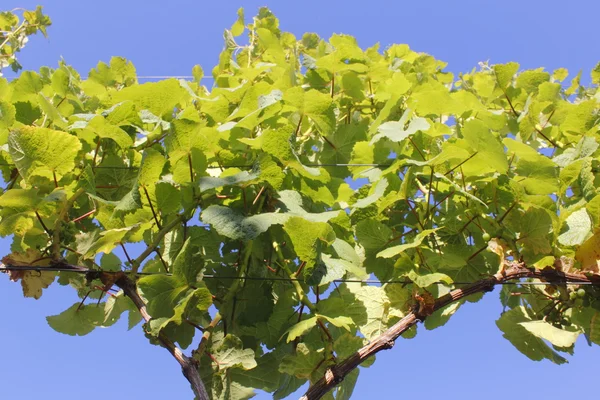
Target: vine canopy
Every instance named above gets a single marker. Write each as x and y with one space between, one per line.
256 209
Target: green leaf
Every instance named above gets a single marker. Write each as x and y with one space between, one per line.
292 201
226 387
505 73
339 146
594 331
585 147
372 235
378 192
340 321
110 262
346 388
152 165
168 198
77 320
433 99
160 98
324 273
308 237
560 74
557 337
301 364
579 226
105 242
231 353
232 224
210 182
87 180
490 155
313 104
170 296
163 293
130 202
116 305
579 118
19 200
365 305
301 328
274 328
539 171
275 142
101 127
531 80
238 26
535 227
337 268
511 324
7 116
395 250
265 376
426 280
198 73
396 131
440 317
119 70
27 86
186 265
43 151
593 207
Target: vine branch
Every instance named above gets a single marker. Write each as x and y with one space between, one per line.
187 365
336 374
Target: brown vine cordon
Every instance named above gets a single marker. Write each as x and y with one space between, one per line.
336 374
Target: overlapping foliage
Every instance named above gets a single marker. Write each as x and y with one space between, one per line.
15 32
311 159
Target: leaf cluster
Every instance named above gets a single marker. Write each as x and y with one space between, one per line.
15 31
312 160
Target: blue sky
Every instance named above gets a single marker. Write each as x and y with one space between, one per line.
467 358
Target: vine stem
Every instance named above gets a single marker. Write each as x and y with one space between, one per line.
246 252
506 212
336 374
151 207
188 368
59 221
96 153
517 115
42 223
13 33
302 295
206 336
126 253
190 165
135 265
303 298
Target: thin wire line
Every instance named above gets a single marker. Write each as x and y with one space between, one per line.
307 165
245 166
12 78
115 167
172 76
169 76
82 270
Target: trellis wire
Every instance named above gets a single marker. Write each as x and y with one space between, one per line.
242 166
81 270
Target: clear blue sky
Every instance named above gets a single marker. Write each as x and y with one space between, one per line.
466 359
